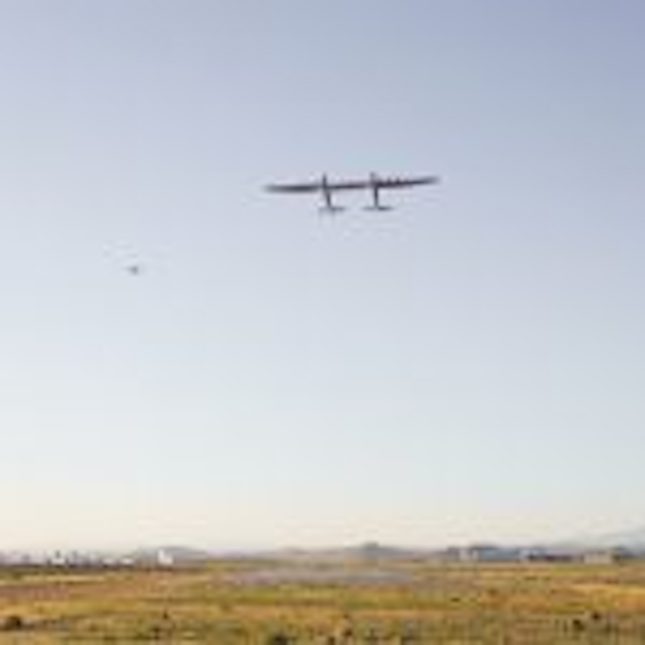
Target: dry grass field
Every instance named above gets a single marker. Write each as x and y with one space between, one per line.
264 603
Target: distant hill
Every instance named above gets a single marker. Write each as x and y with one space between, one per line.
366 552
633 539
374 551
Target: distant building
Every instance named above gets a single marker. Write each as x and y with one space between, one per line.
547 555
488 553
607 556
165 558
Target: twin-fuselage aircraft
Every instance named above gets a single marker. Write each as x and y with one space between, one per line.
374 184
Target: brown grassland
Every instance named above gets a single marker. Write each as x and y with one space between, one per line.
423 603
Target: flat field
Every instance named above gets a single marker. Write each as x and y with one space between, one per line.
277 603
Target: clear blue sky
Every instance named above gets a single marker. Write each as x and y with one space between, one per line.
468 366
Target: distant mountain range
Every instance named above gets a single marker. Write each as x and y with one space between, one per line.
618 544
366 552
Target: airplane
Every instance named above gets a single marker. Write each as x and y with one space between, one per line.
134 269
374 184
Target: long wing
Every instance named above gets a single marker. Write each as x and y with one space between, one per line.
316 186
398 182
306 187
348 185
379 182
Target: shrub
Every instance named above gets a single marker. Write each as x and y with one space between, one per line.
13 622
278 639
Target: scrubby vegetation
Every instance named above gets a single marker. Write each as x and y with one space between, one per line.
430 603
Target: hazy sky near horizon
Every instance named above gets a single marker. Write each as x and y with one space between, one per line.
468 366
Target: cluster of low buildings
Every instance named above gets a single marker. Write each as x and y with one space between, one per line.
494 553
85 559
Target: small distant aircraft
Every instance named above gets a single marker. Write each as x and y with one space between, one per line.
373 184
